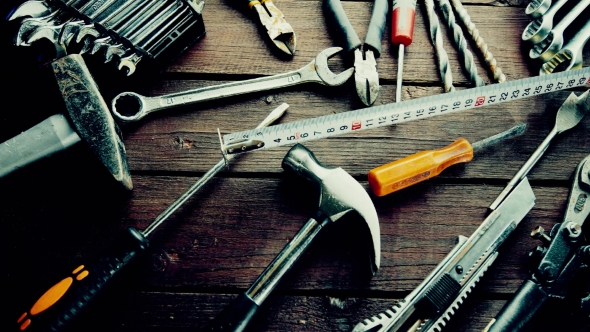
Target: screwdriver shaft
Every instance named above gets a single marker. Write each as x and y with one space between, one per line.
400 71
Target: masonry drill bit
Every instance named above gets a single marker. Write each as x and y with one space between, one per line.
481 44
437 42
460 42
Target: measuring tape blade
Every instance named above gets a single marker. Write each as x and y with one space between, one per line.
394 113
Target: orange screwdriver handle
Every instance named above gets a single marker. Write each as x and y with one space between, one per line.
403 14
418 167
64 301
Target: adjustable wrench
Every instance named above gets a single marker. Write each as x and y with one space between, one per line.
570 56
538 29
554 41
316 71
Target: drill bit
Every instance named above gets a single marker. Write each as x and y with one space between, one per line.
460 42
437 42
481 44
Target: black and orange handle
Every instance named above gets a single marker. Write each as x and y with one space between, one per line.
418 167
66 299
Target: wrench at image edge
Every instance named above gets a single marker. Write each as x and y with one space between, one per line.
316 71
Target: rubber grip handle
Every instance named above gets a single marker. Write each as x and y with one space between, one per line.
236 316
403 15
63 302
377 26
515 314
345 32
418 167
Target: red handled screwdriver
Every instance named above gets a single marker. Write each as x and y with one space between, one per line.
403 13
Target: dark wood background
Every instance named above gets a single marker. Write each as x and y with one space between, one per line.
65 209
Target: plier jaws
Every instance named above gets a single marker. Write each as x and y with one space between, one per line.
280 32
365 76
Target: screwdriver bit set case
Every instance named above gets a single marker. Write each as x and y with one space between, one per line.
127 30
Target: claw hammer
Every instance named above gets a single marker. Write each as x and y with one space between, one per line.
89 119
340 194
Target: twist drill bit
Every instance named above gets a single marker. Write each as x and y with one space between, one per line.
459 39
437 42
481 44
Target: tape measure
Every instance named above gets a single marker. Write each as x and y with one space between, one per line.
394 113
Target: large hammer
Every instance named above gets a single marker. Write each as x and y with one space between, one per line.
340 194
90 120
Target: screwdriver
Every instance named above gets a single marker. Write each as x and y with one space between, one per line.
427 164
403 13
61 303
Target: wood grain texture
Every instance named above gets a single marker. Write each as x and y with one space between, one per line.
66 209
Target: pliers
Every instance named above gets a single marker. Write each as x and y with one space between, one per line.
280 32
365 66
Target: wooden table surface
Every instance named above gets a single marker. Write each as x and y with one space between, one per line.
64 210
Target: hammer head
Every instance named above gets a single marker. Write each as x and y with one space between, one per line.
90 115
340 194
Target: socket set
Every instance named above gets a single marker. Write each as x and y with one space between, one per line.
130 31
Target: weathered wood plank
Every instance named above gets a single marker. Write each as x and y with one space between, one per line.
186 139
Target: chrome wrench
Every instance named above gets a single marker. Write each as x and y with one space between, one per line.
554 41
570 56
538 29
316 71
536 8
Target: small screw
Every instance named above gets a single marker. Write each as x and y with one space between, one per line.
539 233
268 99
459 269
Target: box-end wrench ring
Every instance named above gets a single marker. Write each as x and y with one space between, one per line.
570 56
138 106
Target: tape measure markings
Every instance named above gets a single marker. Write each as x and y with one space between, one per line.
394 113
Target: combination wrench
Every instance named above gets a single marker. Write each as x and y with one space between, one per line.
538 29
536 8
570 56
554 41
136 106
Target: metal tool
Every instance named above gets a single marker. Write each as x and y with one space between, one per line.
340 194
565 252
460 42
63 302
479 41
538 29
136 106
430 306
545 49
570 56
403 14
441 55
569 115
536 8
410 110
365 66
31 8
272 19
421 166
91 120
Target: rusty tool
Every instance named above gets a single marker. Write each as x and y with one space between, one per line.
340 194
90 120
65 300
424 165
130 106
365 65
569 115
280 32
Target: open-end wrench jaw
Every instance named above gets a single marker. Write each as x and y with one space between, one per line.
323 71
30 8
52 34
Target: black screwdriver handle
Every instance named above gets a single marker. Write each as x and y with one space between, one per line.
335 14
65 300
235 317
377 26
515 314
